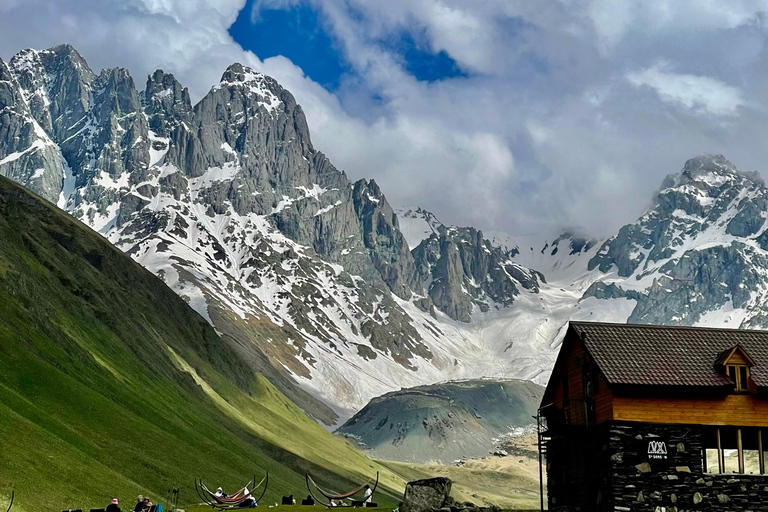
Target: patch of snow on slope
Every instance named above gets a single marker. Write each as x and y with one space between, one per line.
416 225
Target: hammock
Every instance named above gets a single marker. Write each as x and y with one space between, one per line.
13 493
231 500
337 496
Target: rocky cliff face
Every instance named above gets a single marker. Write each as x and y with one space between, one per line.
462 270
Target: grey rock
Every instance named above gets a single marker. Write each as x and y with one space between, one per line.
643 467
426 495
462 270
27 155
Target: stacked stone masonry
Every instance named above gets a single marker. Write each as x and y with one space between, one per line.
678 483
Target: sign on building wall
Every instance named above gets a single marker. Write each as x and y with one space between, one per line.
657 450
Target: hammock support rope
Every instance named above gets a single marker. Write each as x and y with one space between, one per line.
233 500
336 496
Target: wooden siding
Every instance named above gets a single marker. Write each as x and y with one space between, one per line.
573 372
737 409
737 358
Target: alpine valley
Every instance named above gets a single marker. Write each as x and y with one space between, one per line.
315 280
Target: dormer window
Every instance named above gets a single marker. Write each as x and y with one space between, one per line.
739 374
736 364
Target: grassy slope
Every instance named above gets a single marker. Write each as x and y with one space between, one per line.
111 386
506 486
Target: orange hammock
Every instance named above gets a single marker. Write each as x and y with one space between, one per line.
337 496
231 500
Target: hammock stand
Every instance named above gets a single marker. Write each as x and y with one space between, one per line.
232 501
336 496
13 494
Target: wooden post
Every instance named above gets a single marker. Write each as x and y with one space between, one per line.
720 456
760 455
740 450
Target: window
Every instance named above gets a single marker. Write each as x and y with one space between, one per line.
739 374
590 377
733 450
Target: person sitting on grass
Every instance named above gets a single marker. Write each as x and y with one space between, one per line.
113 507
139 504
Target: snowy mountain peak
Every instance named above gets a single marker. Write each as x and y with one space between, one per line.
416 224
709 171
250 81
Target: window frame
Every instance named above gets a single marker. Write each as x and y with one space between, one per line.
739 386
720 449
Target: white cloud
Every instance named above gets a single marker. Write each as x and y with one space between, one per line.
700 94
548 129
613 20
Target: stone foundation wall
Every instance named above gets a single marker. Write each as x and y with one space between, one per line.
675 483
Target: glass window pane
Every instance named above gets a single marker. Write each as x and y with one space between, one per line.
732 373
751 462
743 377
731 460
711 460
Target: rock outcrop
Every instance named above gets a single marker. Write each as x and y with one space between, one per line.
428 495
461 270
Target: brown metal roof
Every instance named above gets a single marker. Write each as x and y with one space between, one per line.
651 355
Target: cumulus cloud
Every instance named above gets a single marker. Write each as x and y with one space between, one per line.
698 93
566 110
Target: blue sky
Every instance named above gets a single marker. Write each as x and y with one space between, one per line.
296 33
299 33
507 115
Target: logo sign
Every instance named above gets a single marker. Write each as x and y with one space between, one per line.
657 450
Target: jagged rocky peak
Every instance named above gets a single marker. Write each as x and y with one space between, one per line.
56 83
709 170
116 93
265 88
462 270
27 154
9 89
389 250
166 102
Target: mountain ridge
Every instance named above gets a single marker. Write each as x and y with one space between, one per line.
309 275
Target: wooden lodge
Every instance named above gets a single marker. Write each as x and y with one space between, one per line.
652 418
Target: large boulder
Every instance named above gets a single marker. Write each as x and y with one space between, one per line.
426 495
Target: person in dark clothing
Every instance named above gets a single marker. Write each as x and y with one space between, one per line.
113 507
139 504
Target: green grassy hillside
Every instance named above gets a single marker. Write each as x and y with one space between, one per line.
111 386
